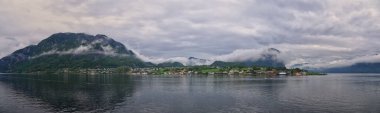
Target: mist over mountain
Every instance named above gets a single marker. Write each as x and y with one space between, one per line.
186 61
262 57
192 61
309 33
80 50
72 43
267 58
357 64
70 50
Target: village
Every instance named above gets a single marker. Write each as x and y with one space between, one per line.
197 70
219 71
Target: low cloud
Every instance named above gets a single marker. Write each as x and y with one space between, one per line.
184 60
107 50
236 56
85 49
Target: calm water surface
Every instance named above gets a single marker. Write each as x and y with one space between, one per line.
340 93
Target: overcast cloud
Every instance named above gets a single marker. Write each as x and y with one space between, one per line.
316 32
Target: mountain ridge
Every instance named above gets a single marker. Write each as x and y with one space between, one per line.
71 48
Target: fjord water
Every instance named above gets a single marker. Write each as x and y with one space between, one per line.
342 93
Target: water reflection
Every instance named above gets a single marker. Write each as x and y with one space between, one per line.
67 93
179 94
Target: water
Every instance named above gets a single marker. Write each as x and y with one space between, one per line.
340 93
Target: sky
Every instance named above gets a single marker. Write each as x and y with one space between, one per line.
316 33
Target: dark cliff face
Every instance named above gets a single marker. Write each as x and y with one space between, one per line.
3 66
66 45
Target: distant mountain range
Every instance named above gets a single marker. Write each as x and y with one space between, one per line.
359 67
268 59
79 50
356 68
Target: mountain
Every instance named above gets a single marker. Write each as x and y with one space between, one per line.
3 66
170 64
192 61
70 50
268 58
356 68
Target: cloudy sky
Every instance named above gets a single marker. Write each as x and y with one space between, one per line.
316 32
